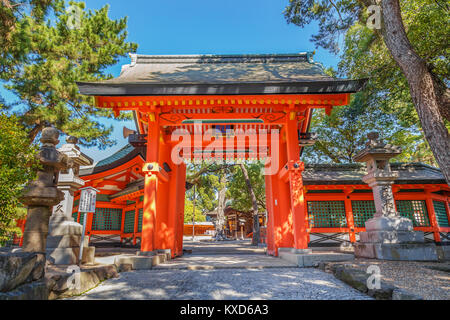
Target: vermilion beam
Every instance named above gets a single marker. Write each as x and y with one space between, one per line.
143 102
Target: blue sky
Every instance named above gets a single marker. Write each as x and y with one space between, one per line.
205 27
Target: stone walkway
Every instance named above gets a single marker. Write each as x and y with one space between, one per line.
227 271
232 284
225 261
223 255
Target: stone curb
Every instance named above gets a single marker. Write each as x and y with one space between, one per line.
358 279
59 284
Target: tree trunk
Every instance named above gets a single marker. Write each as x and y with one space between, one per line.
35 131
256 231
193 216
220 220
428 96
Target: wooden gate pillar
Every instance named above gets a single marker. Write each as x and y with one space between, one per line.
175 199
181 190
295 168
151 183
283 232
164 231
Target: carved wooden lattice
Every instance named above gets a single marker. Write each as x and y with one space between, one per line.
140 220
128 224
416 210
326 214
107 219
363 210
441 213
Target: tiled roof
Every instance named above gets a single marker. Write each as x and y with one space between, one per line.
125 154
221 74
221 68
116 156
352 173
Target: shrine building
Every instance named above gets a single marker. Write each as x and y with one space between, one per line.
233 108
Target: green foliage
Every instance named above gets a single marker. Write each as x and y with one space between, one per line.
386 97
333 17
45 58
237 188
342 134
18 165
206 177
366 56
189 208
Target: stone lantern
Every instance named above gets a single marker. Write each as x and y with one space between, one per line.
41 194
388 235
63 242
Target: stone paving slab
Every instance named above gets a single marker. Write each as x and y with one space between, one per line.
234 284
226 261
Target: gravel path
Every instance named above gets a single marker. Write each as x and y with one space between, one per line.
416 277
232 284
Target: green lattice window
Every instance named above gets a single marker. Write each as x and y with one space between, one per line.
326 214
128 224
441 213
75 216
416 210
141 211
107 219
81 218
363 210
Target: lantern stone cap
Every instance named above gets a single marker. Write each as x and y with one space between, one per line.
376 149
72 151
49 136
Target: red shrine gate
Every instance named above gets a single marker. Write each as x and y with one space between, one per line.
222 108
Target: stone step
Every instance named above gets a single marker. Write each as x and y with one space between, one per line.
231 261
313 259
136 262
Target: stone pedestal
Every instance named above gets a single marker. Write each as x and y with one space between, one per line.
63 242
388 236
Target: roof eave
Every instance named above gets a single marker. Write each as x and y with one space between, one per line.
238 88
